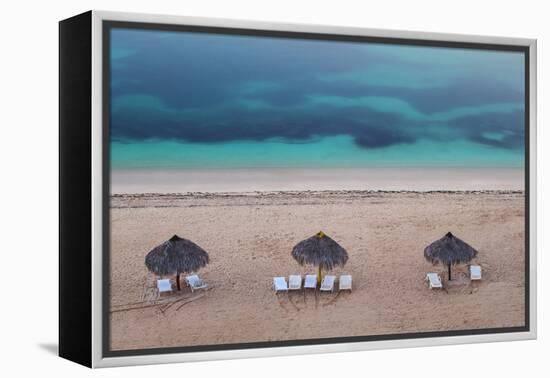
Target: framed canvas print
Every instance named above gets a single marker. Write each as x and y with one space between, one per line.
234 189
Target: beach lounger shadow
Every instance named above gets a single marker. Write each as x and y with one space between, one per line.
344 283
310 282
280 286
295 285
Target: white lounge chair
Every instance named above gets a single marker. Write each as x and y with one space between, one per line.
475 272
310 282
345 282
279 284
434 281
164 286
294 282
328 283
195 282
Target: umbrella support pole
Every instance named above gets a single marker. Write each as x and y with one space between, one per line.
319 272
449 266
178 281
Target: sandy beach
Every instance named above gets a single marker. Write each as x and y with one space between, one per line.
249 237
293 179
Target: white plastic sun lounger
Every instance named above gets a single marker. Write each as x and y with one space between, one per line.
279 284
164 286
310 282
345 282
434 281
328 283
294 282
475 272
195 282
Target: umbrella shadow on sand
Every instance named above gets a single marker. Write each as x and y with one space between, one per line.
303 299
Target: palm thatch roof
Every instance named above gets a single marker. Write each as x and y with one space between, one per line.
175 256
320 250
449 250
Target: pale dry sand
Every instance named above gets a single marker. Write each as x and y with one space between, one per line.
293 179
249 238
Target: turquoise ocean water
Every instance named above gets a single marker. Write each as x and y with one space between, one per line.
329 152
201 100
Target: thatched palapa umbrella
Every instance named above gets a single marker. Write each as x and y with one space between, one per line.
176 256
449 250
321 251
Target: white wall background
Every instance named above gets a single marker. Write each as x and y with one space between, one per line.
28 158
